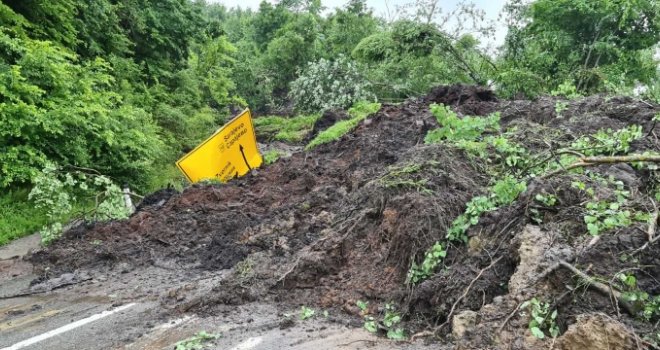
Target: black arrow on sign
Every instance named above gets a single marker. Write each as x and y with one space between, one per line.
245 159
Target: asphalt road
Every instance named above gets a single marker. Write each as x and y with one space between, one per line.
132 310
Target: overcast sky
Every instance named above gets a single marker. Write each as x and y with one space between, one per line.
492 8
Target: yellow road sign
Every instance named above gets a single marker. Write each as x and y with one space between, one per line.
230 152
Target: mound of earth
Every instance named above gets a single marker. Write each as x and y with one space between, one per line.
345 221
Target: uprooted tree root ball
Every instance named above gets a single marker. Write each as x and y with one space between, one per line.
342 225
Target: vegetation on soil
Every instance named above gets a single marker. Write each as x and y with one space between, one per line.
467 133
196 342
389 323
285 129
359 112
542 319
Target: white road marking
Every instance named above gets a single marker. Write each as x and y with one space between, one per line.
248 344
67 328
175 323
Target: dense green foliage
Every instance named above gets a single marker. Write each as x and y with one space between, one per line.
126 87
594 45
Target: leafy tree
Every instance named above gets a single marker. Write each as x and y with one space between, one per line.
55 109
330 84
295 45
99 30
411 57
345 28
585 42
48 19
161 32
268 21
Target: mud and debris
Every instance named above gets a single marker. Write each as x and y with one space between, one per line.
332 226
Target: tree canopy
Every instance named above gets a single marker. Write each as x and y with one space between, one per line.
125 87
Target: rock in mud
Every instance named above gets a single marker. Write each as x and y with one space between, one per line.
536 254
463 323
596 332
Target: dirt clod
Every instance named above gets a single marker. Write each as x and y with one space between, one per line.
596 332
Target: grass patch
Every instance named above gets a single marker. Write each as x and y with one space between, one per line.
272 156
286 129
358 113
19 216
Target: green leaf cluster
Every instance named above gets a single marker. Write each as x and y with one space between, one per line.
196 342
542 319
459 130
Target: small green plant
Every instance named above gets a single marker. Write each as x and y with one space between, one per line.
432 259
649 306
272 156
560 107
503 192
390 321
549 200
306 313
513 155
362 305
454 129
542 318
566 89
196 342
358 113
604 215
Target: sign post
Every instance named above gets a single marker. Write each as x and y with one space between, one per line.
229 153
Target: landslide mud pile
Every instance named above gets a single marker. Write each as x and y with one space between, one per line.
345 222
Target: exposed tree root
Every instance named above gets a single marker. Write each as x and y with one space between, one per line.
453 307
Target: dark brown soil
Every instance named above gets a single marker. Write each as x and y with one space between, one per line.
331 226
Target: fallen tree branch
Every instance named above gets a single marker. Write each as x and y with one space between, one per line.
453 307
600 287
591 161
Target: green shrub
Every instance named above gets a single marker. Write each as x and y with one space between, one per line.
56 110
454 129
